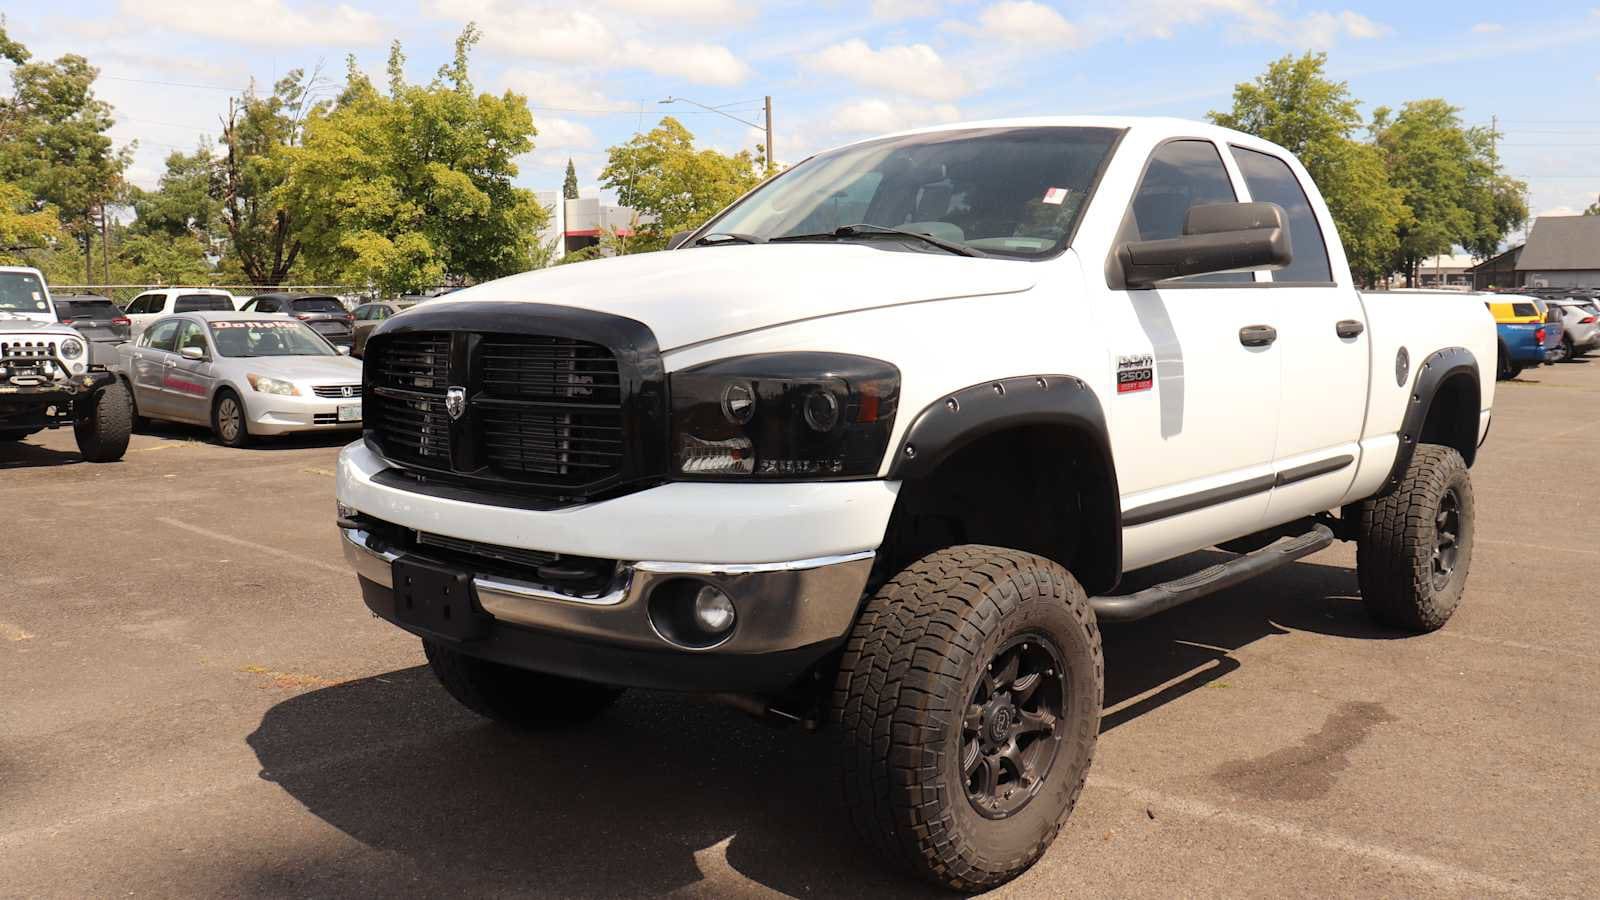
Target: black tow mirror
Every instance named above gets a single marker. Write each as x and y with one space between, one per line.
1217 237
677 239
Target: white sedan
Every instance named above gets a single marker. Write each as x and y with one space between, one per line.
245 375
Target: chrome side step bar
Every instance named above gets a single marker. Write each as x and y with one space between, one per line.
1162 597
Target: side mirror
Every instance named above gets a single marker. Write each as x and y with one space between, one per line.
343 350
1217 237
677 239
195 353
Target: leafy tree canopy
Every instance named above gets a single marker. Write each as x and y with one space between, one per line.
407 189
23 226
660 174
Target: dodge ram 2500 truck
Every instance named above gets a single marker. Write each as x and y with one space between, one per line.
872 449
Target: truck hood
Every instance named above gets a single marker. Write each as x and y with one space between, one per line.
27 324
689 296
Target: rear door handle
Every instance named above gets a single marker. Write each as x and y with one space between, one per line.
1257 335
1349 328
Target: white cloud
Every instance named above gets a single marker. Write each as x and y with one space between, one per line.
877 116
1321 30
557 132
897 10
1254 20
1488 28
1026 22
916 70
698 63
710 11
561 90
262 21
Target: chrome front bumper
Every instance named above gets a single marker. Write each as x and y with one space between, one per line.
780 606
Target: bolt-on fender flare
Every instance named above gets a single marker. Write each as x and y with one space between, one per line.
1437 369
962 417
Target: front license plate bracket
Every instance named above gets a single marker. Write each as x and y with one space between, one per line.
437 600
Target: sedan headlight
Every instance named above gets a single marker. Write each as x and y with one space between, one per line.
272 386
71 348
783 416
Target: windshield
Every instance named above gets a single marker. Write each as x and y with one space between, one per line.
21 292
268 338
319 304
1002 191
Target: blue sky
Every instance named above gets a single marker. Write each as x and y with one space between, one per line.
594 71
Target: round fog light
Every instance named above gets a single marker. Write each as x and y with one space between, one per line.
713 611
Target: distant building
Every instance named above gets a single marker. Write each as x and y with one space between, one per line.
1498 273
1450 271
1562 251
576 224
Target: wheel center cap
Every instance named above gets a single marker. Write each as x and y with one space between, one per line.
1000 725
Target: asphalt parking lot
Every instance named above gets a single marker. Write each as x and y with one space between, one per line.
193 701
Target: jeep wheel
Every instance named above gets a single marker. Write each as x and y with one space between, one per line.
1415 544
103 421
967 706
516 697
228 420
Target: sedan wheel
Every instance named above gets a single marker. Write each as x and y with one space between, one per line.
227 421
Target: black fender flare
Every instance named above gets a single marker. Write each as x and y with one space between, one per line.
962 417
1438 368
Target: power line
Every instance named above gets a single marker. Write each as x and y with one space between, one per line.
180 84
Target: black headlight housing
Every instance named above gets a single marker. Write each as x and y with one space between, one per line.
783 416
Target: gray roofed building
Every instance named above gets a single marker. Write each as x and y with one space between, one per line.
1562 251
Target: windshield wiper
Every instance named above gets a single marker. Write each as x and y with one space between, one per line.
728 237
861 229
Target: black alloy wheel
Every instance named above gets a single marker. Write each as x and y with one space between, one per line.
1446 538
1010 736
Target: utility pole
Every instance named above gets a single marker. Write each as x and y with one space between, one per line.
1494 136
771 163
105 244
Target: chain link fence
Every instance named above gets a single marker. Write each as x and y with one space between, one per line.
121 294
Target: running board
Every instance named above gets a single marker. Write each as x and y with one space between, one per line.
1162 597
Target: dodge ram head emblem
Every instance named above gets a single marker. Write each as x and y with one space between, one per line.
455 402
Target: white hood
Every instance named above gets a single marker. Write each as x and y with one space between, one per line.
688 296
31 326
309 369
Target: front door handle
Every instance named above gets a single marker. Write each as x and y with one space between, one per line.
1257 335
1349 328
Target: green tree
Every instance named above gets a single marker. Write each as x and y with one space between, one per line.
187 199
407 190
1593 210
1293 104
1451 181
23 226
257 138
569 188
54 145
662 176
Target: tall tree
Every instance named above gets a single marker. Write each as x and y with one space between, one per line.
662 176
407 190
1295 105
569 188
257 137
1451 180
24 226
187 199
54 142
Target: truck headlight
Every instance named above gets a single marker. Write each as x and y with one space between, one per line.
783 416
71 348
272 386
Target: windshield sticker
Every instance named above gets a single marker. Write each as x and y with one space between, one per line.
1055 196
1135 373
255 324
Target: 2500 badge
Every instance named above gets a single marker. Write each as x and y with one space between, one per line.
1135 373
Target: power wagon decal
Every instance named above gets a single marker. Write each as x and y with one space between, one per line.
1135 373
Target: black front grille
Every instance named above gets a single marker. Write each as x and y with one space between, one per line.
539 408
518 555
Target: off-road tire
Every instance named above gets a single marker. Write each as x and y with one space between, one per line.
910 665
1397 543
141 424
242 437
103 422
1505 369
517 697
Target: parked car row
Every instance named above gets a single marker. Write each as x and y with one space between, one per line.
1536 330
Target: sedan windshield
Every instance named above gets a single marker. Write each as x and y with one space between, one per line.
268 338
998 191
21 292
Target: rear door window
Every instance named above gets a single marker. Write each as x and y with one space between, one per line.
202 302
163 335
1182 174
1270 180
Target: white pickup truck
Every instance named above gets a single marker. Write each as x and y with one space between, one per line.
872 449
